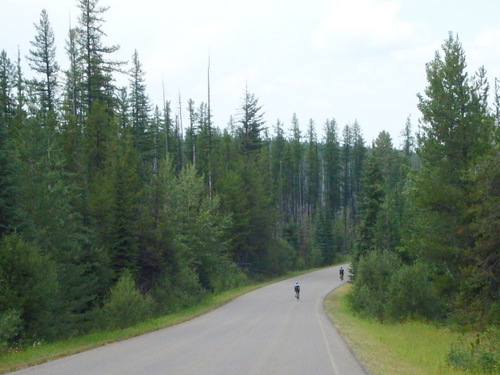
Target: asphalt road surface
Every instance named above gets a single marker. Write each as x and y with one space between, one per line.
266 332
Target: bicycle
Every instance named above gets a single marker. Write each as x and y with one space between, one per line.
297 290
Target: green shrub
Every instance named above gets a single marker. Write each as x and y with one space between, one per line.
280 257
480 356
410 294
10 327
373 276
28 285
176 291
229 277
390 290
126 305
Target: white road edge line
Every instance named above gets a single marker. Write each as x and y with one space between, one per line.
328 349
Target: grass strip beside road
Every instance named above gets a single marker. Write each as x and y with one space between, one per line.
410 348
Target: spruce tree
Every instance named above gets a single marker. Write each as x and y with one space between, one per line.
252 122
7 83
332 169
278 155
140 107
97 68
42 60
73 106
380 203
296 175
7 180
312 169
456 131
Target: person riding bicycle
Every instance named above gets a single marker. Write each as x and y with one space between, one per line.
296 288
341 273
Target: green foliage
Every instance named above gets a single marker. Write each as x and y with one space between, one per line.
228 277
7 83
97 69
126 305
7 184
411 295
382 202
332 166
456 138
481 356
29 286
390 290
251 124
10 327
477 300
373 277
280 257
325 240
42 60
176 290
96 183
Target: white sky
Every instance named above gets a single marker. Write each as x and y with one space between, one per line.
349 60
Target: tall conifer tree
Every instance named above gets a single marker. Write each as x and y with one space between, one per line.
42 60
97 69
457 129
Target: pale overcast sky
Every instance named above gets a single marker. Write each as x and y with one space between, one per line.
349 60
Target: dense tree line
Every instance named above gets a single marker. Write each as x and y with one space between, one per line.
113 210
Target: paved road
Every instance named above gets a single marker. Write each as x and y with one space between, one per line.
264 332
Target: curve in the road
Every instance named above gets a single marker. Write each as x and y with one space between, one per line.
266 332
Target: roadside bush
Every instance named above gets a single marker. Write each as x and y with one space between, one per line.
229 277
480 356
373 277
411 294
126 305
10 327
390 290
29 286
173 292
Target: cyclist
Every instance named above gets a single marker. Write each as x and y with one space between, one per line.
341 273
296 288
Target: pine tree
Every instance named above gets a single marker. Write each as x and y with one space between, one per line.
139 106
381 209
456 131
191 133
6 162
278 156
6 183
122 112
296 175
158 151
7 83
408 139
312 169
120 235
99 135
72 97
358 156
332 168
97 69
42 60
252 122
346 186
480 293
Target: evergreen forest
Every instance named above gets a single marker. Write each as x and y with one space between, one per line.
112 210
